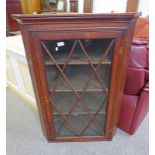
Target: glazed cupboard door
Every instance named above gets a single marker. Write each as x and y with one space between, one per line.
76 73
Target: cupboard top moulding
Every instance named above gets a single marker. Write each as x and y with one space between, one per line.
54 19
78 66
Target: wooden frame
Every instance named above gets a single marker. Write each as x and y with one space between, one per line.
88 6
132 5
36 28
73 5
60 6
12 7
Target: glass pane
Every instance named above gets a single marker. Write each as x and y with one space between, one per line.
60 50
96 48
78 76
66 100
100 119
58 121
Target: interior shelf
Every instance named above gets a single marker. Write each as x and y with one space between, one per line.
76 62
91 102
78 113
78 77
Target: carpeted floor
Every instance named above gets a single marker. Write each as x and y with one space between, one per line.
24 136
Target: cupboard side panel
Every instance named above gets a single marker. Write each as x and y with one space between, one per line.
122 68
36 77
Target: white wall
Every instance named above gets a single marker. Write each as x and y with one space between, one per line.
144 7
80 6
106 6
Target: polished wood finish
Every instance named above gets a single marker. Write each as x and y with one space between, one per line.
30 6
38 28
12 7
132 5
88 6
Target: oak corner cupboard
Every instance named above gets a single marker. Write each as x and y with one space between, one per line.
77 64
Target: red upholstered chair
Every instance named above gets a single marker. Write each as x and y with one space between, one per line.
135 101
